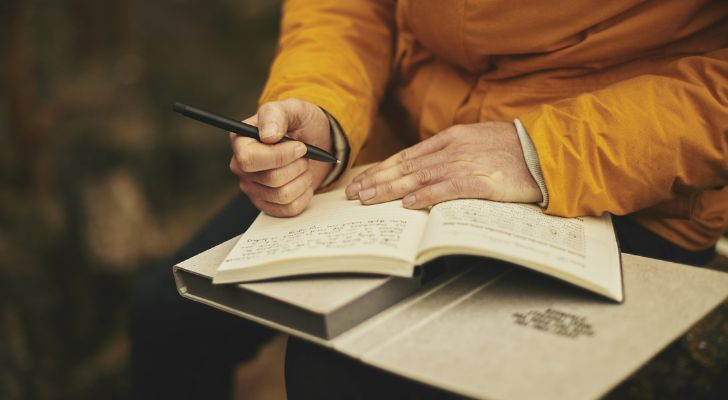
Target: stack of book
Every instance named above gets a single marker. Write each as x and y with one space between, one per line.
517 297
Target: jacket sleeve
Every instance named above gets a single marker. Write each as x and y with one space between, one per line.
637 143
335 54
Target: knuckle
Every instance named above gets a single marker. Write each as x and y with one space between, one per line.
292 105
274 178
289 210
423 176
298 206
407 167
403 155
267 107
369 181
285 194
277 211
300 203
441 170
386 187
267 207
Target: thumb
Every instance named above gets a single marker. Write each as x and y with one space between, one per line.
274 119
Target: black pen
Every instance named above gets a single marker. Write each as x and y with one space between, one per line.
243 129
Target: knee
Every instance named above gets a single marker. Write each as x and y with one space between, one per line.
150 310
315 372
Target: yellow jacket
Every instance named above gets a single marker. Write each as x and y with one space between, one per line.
626 101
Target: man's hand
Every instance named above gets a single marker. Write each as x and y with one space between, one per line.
274 175
482 160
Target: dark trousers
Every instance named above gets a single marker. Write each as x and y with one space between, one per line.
184 350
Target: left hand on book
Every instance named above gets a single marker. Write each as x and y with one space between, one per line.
482 160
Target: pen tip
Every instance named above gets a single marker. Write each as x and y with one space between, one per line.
179 107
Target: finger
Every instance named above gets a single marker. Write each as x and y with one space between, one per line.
276 118
400 187
252 120
282 195
285 210
255 156
454 188
278 177
234 167
237 140
431 145
395 172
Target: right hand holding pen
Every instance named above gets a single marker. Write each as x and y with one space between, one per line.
275 176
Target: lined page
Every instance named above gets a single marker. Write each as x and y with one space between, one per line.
582 248
331 226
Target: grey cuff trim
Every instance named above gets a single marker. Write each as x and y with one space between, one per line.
534 167
341 151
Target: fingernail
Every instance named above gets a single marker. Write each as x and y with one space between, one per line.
367 194
409 200
270 129
301 150
353 190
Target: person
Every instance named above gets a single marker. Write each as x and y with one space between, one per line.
584 108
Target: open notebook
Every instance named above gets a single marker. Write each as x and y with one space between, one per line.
338 235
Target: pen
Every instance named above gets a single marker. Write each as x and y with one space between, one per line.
243 129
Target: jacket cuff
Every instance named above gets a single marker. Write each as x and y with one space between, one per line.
531 157
341 151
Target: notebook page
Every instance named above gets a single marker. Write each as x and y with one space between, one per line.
584 248
331 226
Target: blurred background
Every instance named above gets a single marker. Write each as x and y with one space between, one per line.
101 181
